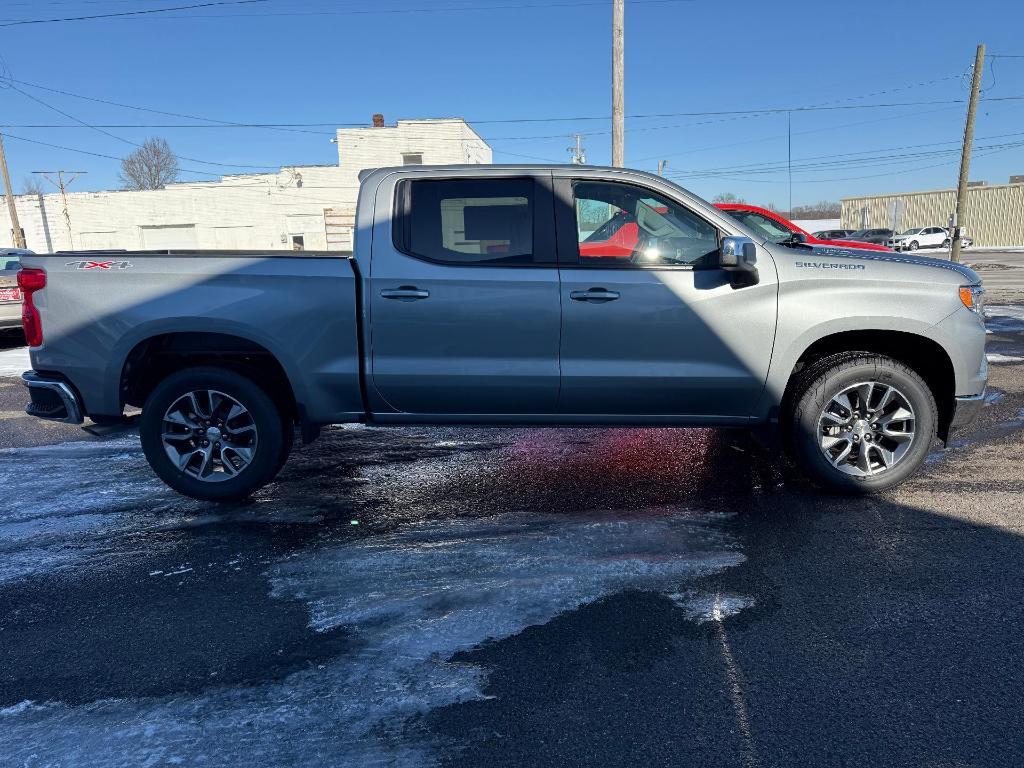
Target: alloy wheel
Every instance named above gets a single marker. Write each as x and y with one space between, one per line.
866 429
209 435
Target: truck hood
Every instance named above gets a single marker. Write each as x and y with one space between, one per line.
968 274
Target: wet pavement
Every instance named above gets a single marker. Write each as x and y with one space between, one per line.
477 597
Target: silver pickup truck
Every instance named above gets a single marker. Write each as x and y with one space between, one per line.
540 295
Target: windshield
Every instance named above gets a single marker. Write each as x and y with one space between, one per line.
768 228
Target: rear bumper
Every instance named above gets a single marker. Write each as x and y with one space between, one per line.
52 399
965 412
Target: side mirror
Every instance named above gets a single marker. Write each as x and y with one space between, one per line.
798 237
738 254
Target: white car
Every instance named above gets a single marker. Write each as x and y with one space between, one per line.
920 237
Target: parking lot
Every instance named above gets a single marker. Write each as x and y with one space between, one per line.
417 596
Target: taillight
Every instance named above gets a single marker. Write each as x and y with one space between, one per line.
30 281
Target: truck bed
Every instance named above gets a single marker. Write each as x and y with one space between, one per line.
299 307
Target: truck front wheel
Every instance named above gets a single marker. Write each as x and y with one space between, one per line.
860 423
213 434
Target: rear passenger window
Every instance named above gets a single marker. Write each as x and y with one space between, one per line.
470 221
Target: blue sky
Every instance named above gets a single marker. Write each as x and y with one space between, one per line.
318 61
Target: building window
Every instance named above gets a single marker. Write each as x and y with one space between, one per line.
412 158
298 243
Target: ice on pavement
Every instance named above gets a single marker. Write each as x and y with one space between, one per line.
411 598
62 503
702 607
14 362
1005 318
999 358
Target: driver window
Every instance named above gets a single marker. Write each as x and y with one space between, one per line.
619 225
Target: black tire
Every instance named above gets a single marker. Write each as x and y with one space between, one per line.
273 433
947 243
823 381
914 245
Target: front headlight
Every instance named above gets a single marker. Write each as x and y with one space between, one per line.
973 297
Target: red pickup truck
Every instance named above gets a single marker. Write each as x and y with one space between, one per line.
778 229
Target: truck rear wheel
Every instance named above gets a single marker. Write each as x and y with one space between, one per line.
213 434
860 423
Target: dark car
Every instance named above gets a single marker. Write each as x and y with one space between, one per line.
833 234
877 236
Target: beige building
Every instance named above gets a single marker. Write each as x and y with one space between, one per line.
994 217
308 207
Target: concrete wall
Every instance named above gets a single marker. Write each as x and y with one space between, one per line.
994 217
250 211
816 225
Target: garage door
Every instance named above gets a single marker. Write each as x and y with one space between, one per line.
99 241
179 237
234 238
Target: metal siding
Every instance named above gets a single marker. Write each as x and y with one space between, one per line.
994 217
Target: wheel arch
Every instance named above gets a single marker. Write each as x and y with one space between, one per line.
926 356
153 356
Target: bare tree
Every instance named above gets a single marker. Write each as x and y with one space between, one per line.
32 185
152 166
727 197
823 209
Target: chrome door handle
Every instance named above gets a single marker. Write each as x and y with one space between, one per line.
594 295
405 293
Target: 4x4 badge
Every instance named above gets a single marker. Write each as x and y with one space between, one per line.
99 264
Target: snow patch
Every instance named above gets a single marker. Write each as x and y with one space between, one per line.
411 599
999 359
14 362
703 607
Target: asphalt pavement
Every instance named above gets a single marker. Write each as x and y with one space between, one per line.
514 597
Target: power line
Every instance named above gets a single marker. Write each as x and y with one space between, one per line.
149 13
131 13
827 107
144 109
84 124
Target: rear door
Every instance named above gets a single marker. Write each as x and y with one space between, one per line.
463 296
661 330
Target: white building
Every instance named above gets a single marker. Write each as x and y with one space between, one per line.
308 207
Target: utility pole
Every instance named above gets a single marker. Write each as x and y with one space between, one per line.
661 167
579 154
19 236
618 83
63 185
965 157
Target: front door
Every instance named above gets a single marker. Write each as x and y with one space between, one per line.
464 300
654 326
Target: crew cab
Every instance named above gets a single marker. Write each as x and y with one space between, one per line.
780 229
477 295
